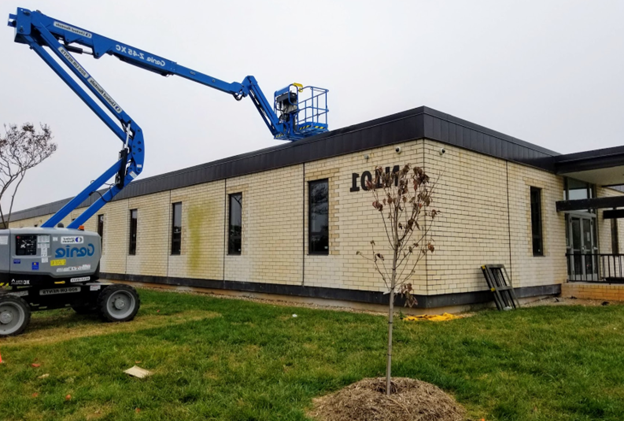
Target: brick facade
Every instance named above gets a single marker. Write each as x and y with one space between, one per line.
486 218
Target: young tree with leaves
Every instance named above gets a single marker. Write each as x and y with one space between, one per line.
403 201
21 148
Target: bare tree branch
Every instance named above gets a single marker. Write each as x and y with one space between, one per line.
403 200
21 148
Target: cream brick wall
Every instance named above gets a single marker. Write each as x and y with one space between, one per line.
473 227
272 226
353 222
485 218
152 247
30 222
529 270
116 234
238 267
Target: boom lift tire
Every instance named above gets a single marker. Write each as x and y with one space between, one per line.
14 315
118 303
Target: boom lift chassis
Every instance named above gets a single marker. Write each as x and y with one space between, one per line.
297 113
112 302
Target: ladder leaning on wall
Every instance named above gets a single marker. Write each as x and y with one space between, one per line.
500 285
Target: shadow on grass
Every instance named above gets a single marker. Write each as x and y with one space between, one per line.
66 325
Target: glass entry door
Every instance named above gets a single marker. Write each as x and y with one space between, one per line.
583 249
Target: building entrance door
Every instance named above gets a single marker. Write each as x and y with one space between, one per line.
583 252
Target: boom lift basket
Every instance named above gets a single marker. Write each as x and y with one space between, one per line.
306 105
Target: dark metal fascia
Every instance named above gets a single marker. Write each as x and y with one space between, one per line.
414 124
590 160
596 203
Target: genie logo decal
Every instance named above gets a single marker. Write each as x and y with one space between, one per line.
75 251
139 55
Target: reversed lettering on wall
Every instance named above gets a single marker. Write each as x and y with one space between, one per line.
359 181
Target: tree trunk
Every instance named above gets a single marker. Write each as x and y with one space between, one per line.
389 362
8 220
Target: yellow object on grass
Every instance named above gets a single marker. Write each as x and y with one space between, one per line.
432 317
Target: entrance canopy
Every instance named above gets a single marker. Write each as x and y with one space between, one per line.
602 167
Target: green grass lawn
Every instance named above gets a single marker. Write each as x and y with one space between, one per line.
221 359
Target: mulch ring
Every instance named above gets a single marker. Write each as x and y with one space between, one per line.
366 400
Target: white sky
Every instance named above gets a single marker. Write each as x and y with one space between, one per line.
545 71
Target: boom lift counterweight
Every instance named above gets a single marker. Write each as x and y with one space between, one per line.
297 112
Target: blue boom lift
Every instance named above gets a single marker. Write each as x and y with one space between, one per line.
67 276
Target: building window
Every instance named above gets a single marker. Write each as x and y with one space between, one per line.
318 213
176 229
134 215
536 221
100 226
577 190
236 224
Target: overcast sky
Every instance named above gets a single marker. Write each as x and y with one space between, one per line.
547 72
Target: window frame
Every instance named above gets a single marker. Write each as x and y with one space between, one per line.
176 238
310 233
134 229
589 188
230 250
100 226
537 232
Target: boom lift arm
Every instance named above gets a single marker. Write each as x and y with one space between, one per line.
290 118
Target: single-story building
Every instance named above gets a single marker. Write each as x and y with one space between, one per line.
289 219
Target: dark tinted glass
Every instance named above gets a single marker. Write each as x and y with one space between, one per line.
236 224
134 214
176 229
318 224
536 221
